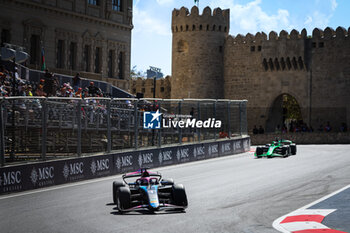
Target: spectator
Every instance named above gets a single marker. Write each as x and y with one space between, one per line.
40 91
255 130
76 82
343 127
261 130
29 91
328 127
49 85
79 93
93 90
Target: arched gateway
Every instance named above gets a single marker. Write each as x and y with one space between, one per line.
284 111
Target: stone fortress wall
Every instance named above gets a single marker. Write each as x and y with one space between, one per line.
198 53
314 69
146 87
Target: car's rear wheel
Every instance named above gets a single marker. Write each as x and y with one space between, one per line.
116 185
179 195
124 198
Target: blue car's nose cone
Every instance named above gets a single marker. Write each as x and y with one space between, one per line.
152 193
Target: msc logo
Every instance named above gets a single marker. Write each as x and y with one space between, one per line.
151 120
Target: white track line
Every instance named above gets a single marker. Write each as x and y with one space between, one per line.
276 223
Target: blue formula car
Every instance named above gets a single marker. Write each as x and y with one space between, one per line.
149 191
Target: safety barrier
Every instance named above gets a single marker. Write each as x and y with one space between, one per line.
18 178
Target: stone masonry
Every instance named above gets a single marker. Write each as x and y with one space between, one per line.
314 69
92 37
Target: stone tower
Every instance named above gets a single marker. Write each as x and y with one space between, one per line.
198 53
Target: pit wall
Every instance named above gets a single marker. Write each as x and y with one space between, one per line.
43 174
303 138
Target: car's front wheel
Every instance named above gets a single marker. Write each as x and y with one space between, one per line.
259 151
124 198
293 148
179 195
116 185
285 151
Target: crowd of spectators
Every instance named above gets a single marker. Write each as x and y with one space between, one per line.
12 85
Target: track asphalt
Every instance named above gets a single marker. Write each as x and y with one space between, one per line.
231 194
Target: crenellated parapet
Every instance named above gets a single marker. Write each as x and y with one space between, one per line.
328 34
261 36
185 21
317 35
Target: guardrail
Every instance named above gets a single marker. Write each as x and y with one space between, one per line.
39 128
18 178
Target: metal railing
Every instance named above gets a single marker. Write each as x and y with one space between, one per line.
39 128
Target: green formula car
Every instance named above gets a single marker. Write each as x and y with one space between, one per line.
278 148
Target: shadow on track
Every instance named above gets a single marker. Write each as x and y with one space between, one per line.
146 212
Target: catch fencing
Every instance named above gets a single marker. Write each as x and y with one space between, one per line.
40 129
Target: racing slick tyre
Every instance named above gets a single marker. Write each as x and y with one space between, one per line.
124 198
259 151
285 151
293 148
116 185
179 195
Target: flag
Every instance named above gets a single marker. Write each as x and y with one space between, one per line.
196 1
43 64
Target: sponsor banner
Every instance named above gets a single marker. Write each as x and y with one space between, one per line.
212 149
167 156
147 158
125 162
238 146
44 174
246 144
12 179
99 166
225 148
199 152
184 154
73 170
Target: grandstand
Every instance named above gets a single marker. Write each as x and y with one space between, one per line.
42 128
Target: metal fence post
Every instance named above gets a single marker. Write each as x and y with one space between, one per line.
44 129
2 135
243 118
179 129
160 130
229 119
109 138
136 124
199 116
79 128
215 136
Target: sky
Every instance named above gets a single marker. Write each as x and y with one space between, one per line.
152 37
